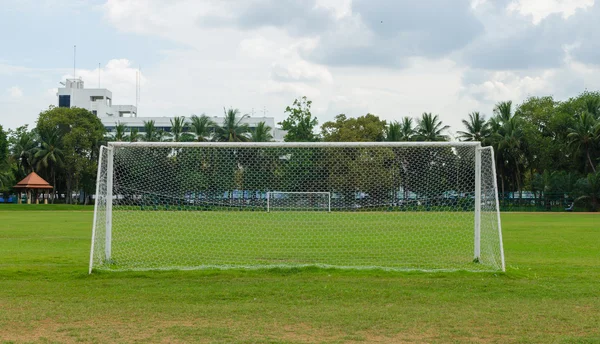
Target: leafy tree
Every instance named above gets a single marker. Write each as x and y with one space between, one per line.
22 145
300 123
503 110
120 132
6 176
151 133
403 131
393 132
179 130
430 128
507 143
262 133
49 155
588 189
202 127
477 129
81 133
3 146
232 129
362 129
584 135
134 135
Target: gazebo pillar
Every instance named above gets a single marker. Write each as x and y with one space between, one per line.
46 196
37 196
28 196
19 194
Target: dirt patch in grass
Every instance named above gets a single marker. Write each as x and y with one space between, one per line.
199 331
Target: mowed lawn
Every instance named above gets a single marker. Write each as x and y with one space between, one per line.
143 240
550 292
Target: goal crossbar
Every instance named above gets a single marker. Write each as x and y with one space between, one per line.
292 144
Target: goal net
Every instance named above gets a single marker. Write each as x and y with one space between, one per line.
384 205
298 201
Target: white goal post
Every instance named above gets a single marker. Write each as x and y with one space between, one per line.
429 206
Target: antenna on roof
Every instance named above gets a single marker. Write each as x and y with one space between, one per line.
98 74
74 60
137 88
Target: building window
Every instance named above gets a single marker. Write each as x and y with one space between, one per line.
64 101
95 112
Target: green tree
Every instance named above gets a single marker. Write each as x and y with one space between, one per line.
3 146
362 129
22 145
300 123
588 189
134 135
49 155
262 133
232 129
151 133
81 133
430 128
477 128
503 110
6 176
507 144
179 130
119 134
403 131
584 135
202 127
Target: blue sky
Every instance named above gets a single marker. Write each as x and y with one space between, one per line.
393 58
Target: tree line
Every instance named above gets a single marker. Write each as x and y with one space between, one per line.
543 146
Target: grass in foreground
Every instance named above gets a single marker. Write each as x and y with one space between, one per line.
548 294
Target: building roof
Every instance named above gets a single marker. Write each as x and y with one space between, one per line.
33 181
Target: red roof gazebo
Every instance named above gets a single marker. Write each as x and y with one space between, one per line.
33 182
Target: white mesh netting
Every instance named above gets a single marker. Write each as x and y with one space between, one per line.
397 206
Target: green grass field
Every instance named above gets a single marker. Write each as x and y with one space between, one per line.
143 240
550 292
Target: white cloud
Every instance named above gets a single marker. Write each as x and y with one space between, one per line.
540 9
244 64
118 75
15 92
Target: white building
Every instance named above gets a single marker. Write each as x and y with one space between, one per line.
99 102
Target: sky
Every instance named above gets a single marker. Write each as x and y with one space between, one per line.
392 58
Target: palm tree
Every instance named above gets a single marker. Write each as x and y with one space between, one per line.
589 189
49 154
507 143
504 111
179 129
404 131
430 128
201 127
477 129
134 135
393 132
151 134
120 130
23 151
232 129
408 131
583 135
262 133
592 105
6 177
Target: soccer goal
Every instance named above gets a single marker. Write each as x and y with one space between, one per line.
298 201
430 206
